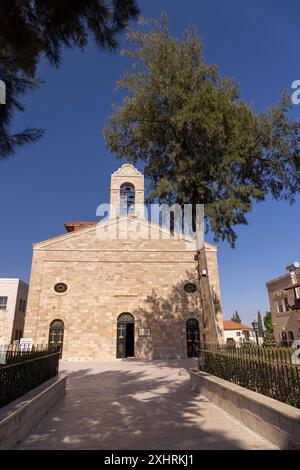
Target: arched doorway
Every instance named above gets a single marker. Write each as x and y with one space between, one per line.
56 335
283 339
290 337
192 337
125 336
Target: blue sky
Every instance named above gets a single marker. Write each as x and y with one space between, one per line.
67 174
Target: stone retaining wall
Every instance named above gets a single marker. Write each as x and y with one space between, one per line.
275 421
19 417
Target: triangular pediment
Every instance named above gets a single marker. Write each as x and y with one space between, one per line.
144 229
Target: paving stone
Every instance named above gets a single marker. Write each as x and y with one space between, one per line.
137 405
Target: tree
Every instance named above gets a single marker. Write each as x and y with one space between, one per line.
260 329
235 317
199 142
30 29
16 84
268 323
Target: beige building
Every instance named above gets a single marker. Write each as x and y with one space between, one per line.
122 287
13 304
284 297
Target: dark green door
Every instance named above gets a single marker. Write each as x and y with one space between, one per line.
125 336
121 340
192 337
56 336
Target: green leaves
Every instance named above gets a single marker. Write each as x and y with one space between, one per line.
16 84
199 141
268 324
235 317
32 28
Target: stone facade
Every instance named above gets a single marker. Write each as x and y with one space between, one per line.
12 316
121 264
283 300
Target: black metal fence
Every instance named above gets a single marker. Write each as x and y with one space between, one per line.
18 378
282 344
274 354
14 354
263 370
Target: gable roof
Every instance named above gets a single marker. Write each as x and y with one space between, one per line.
86 227
233 325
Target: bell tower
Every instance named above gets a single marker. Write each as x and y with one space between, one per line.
127 192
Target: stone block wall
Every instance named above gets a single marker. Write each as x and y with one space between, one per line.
105 278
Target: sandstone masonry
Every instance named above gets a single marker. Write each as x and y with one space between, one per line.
143 274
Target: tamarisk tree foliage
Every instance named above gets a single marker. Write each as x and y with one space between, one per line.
16 84
199 142
31 29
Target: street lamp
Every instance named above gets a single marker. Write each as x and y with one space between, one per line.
255 328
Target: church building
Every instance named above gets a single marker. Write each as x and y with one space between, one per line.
122 287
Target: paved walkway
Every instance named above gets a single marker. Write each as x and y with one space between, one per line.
137 405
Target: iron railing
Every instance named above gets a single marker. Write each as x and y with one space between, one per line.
287 343
265 352
18 378
268 371
12 354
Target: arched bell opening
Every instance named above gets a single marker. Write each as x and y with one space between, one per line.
127 199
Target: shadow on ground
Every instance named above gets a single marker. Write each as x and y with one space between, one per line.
137 405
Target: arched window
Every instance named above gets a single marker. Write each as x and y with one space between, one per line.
125 318
127 199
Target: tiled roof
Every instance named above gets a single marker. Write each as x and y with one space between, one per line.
233 325
72 226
